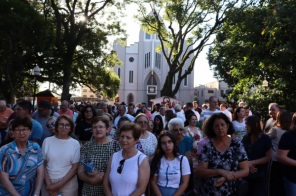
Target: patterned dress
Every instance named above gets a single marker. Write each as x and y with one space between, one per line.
21 168
99 154
227 160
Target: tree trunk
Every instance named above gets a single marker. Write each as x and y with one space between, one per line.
167 89
67 79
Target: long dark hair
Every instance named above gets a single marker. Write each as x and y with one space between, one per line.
254 123
157 128
159 153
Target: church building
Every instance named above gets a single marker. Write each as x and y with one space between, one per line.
144 70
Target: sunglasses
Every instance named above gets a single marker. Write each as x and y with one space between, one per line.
120 167
50 125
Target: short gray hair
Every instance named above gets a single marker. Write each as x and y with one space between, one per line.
178 107
175 121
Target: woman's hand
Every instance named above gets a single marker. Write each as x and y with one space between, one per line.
220 181
252 167
228 175
96 178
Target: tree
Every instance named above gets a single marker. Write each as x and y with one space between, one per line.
23 36
80 54
184 28
255 45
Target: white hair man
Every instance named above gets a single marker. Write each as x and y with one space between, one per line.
179 113
5 113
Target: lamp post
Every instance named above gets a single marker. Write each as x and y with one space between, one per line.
36 72
265 83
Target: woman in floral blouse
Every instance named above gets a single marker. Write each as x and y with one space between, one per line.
223 160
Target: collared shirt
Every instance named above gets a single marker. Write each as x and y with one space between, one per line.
13 162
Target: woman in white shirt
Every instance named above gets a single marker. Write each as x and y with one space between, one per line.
61 155
128 169
147 139
170 171
238 122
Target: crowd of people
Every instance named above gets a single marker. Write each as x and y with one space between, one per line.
100 149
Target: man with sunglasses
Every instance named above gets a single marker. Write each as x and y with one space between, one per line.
23 109
42 114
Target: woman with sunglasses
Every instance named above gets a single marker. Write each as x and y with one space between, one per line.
128 170
61 155
170 171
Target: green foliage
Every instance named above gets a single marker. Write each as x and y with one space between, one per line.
184 28
80 54
257 44
24 35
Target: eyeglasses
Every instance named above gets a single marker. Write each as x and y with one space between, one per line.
50 125
98 127
21 130
120 167
142 122
88 111
67 126
177 130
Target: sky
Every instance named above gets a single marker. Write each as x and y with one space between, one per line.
203 74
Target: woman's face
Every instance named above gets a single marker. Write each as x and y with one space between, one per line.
127 140
64 128
99 130
193 120
248 127
21 133
88 113
157 121
178 131
110 121
150 124
241 113
142 121
50 125
167 145
220 127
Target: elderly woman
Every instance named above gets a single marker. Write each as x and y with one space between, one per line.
147 139
61 155
223 160
128 170
98 153
21 163
184 142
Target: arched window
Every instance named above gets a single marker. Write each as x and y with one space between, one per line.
130 98
118 72
152 81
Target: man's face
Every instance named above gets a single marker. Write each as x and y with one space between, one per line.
121 111
2 107
64 106
213 103
43 112
20 112
104 108
195 105
130 109
273 110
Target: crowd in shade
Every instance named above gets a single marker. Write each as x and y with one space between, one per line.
96 149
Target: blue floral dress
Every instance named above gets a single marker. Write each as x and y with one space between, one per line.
227 160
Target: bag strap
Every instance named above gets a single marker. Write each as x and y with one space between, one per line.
181 169
139 160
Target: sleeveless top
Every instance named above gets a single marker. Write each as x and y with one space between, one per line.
125 183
